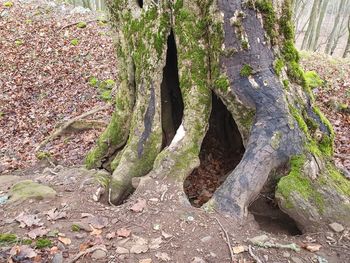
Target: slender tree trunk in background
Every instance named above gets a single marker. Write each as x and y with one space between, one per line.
332 36
347 47
341 29
312 25
323 9
184 64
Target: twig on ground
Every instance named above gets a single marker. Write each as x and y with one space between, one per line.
75 23
228 242
89 250
64 127
255 257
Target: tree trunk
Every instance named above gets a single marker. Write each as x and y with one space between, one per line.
347 47
332 36
310 31
181 65
316 36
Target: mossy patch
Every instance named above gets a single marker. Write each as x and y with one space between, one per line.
30 190
313 80
7 238
246 70
42 155
81 24
43 243
297 182
8 4
74 41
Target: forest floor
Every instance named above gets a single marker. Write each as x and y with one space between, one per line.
53 69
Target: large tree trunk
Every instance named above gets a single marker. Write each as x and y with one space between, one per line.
178 61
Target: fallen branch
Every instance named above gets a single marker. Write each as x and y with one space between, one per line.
87 251
75 23
228 242
69 123
255 257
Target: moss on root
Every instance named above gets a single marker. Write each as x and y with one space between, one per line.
297 182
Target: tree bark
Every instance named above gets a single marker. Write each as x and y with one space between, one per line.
172 57
323 9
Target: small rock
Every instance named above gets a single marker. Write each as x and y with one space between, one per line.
336 227
122 250
206 239
213 255
57 258
296 260
138 249
239 249
162 256
198 260
286 255
80 235
166 235
99 254
145 260
259 239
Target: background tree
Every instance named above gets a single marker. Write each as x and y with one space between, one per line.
182 65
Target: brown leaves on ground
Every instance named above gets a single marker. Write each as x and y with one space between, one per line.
44 80
334 95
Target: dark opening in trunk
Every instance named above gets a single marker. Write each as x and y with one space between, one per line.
172 104
221 151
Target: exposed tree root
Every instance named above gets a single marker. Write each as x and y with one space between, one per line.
75 123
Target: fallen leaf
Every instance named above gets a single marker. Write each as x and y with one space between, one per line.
65 240
54 214
163 256
123 232
98 222
312 247
28 220
155 243
138 206
110 235
239 249
38 232
23 251
95 231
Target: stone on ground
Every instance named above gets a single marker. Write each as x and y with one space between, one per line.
30 190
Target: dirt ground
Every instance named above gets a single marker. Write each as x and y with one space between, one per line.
153 225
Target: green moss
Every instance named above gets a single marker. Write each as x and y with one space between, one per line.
246 70
222 83
7 238
313 80
19 42
269 17
75 228
289 52
81 25
295 181
286 24
326 145
278 66
43 243
106 95
42 155
286 84
74 41
26 241
341 183
245 44
300 120
8 4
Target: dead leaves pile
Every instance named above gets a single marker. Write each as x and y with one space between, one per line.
44 80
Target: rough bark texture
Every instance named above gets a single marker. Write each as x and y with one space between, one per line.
242 51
